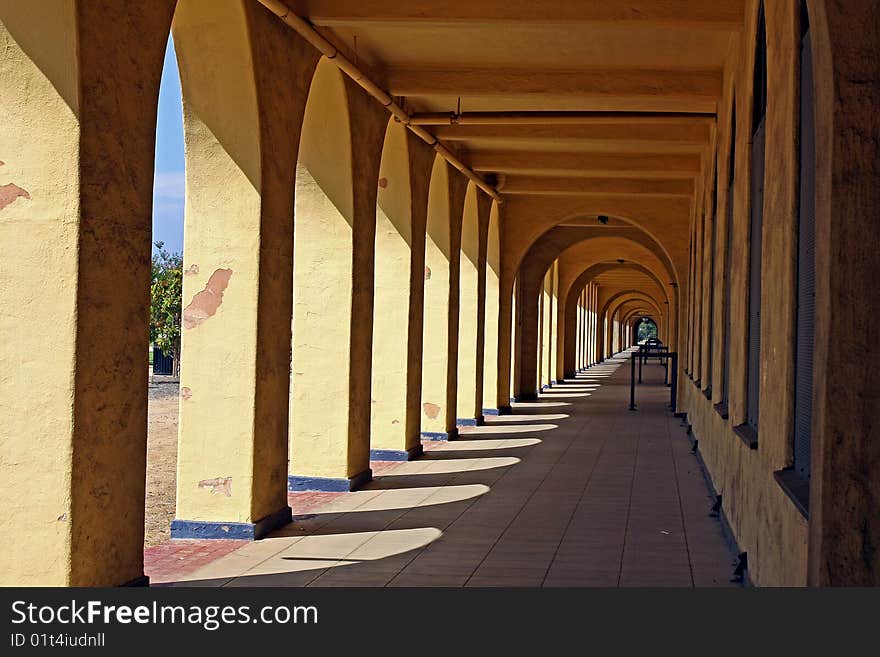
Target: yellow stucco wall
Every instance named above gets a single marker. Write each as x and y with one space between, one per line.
322 270
468 299
394 241
41 225
491 362
764 520
76 203
221 285
435 357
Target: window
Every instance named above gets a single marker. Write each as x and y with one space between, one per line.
728 257
796 480
710 335
759 115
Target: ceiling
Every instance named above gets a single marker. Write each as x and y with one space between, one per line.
629 59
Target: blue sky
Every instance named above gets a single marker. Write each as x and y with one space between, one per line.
168 184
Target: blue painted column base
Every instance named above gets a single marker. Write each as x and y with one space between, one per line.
466 422
299 483
436 435
491 411
248 531
396 454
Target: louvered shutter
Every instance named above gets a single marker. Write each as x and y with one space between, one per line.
806 280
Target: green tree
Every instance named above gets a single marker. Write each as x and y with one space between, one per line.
165 302
647 329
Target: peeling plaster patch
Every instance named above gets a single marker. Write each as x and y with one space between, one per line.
431 410
10 192
2 163
427 273
383 182
192 269
185 393
63 516
395 421
205 303
218 485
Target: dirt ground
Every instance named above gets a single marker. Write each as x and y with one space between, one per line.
161 461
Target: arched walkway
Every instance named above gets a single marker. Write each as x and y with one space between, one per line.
570 490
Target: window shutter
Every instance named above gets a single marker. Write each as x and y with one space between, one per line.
756 222
806 270
754 359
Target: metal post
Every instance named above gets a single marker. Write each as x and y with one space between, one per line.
641 362
632 382
674 389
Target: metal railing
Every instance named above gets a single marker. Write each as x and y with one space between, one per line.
669 359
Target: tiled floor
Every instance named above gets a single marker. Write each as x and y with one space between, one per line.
571 490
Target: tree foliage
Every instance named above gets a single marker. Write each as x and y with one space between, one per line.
165 300
647 329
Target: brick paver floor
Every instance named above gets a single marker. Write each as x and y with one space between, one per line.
571 490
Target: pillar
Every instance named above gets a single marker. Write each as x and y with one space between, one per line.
554 323
491 360
546 329
467 413
78 102
334 241
238 236
439 360
398 297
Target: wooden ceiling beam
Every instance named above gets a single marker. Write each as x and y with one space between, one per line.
684 133
593 186
669 165
720 14
698 84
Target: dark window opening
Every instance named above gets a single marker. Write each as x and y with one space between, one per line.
759 116
710 328
728 258
795 480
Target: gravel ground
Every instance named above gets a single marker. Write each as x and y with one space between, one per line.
161 461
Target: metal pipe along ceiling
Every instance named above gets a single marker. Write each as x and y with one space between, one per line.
331 52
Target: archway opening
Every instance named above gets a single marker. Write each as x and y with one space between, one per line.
646 329
166 284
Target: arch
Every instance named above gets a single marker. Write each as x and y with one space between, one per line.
625 313
391 435
638 321
333 269
467 412
551 245
446 197
610 250
547 329
238 246
531 218
322 275
610 311
633 294
493 306
570 319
